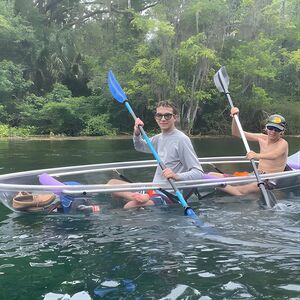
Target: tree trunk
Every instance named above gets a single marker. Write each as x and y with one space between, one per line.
189 112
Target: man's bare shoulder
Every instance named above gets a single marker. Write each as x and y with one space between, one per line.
284 143
254 136
261 136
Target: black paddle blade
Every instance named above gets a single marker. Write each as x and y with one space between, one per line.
221 80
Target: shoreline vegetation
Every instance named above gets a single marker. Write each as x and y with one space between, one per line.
107 137
55 57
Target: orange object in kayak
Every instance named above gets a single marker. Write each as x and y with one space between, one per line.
241 173
151 193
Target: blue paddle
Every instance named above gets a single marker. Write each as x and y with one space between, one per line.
120 96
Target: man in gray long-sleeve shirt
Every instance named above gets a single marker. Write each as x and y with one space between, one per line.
175 150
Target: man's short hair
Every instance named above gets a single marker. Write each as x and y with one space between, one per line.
167 103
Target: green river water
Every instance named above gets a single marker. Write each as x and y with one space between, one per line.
150 253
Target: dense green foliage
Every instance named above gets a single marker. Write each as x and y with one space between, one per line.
55 56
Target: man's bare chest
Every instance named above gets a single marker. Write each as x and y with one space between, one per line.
265 146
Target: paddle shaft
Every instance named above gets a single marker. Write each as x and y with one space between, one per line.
260 183
160 162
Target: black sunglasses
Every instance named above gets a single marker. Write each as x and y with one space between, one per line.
273 128
167 116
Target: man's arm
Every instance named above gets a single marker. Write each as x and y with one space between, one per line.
253 137
190 161
193 174
278 151
138 142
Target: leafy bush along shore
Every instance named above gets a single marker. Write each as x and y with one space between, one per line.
30 133
81 116
55 56
6 131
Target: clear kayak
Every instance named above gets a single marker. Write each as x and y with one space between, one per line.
43 190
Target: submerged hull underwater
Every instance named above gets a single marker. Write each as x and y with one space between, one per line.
87 183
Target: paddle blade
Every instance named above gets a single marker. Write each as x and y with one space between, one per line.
221 80
272 200
115 88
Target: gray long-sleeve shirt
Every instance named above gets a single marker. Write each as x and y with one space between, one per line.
177 153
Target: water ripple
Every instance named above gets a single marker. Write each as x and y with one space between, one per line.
254 255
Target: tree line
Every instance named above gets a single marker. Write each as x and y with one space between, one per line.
55 56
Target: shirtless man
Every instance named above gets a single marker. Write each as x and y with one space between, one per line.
273 151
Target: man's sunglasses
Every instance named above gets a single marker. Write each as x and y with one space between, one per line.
273 128
167 116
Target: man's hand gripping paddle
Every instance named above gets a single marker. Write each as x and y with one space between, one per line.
221 80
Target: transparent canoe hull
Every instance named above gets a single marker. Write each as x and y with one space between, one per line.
90 180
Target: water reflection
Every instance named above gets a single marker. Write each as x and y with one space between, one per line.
159 251
147 253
